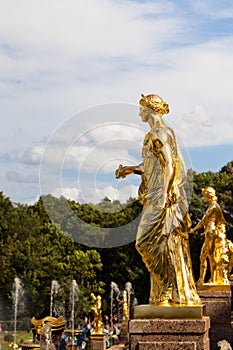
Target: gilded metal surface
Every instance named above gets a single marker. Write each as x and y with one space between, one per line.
97 310
214 287
13 346
125 305
155 103
168 311
162 237
216 247
57 327
56 323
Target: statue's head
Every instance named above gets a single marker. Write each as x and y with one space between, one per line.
155 103
93 296
209 193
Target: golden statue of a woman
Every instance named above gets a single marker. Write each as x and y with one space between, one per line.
162 237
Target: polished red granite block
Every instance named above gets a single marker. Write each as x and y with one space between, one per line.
169 334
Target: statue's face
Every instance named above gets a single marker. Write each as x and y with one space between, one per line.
144 113
207 198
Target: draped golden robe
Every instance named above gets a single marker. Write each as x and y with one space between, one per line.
162 237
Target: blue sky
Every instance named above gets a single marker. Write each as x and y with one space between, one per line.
71 76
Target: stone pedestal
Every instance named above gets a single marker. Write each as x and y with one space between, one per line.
98 342
217 305
231 287
169 334
124 334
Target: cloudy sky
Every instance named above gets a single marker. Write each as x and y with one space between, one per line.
71 75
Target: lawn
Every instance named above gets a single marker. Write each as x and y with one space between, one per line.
20 338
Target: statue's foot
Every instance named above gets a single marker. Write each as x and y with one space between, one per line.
200 282
153 301
212 281
162 299
158 301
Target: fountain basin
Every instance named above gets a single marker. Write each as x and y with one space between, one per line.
30 346
57 327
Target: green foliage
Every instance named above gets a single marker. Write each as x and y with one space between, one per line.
37 252
8 337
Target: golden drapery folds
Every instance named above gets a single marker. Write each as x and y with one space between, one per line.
162 238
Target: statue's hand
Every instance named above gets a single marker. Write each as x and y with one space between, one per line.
120 172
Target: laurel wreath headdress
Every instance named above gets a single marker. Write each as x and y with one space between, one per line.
155 103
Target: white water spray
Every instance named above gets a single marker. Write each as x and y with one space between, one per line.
114 290
74 290
129 289
17 295
54 290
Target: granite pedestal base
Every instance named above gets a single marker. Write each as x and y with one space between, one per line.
98 342
124 332
217 305
231 287
169 334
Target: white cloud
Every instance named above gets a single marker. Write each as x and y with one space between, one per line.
122 194
14 176
97 194
93 148
67 192
57 58
30 156
74 38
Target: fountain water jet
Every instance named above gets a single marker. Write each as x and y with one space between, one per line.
74 290
54 290
114 289
129 289
17 297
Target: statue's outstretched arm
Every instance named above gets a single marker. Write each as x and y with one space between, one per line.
123 171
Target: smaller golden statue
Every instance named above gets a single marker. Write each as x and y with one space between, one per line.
125 306
13 346
216 246
96 308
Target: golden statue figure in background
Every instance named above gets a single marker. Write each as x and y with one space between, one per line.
216 246
162 237
97 310
125 305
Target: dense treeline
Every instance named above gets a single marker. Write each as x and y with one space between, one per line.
38 250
